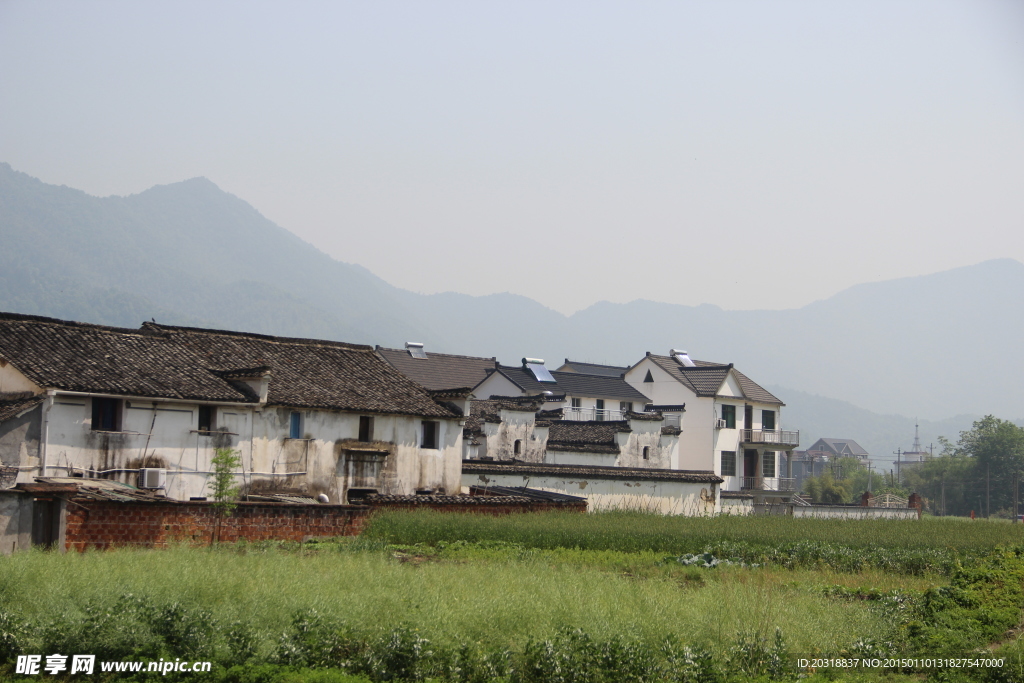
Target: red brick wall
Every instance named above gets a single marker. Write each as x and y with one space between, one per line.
101 524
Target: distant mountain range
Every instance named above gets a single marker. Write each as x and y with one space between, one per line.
188 253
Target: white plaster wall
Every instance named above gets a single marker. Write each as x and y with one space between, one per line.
828 512
576 458
11 379
496 385
165 435
664 497
737 506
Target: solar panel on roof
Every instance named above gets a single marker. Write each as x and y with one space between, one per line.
416 350
540 373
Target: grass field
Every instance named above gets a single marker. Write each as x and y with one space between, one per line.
464 598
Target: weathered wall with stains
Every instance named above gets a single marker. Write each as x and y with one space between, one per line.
499 439
166 435
15 521
625 493
19 441
11 380
643 434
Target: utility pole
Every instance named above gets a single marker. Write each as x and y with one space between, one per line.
943 494
899 474
1016 482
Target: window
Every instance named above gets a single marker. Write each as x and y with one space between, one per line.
517 447
206 417
729 415
430 430
599 409
625 407
647 453
577 403
295 426
728 463
106 415
768 464
365 428
768 420
649 377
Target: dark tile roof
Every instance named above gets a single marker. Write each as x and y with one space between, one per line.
440 370
592 368
842 447
13 404
706 378
754 391
574 384
161 361
589 471
525 492
585 437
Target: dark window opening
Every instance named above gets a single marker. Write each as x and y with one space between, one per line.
599 410
576 402
729 415
517 447
748 417
106 415
768 464
768 420
430 430
295 426
365 428
649 377
625 407
206 414
728 463
647 452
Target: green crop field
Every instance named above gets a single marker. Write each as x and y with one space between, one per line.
532 598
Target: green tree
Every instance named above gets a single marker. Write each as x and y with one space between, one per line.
825 489
225 488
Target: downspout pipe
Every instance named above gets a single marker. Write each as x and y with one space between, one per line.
44 435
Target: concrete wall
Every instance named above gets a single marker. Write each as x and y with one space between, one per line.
12 380
664 497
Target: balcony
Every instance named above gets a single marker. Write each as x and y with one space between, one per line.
770 437
768 484
595 415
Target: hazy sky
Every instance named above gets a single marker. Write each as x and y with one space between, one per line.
747 154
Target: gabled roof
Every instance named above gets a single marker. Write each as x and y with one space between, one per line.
592 368
705 379
841 447
586 437
439 370
574 384
162 361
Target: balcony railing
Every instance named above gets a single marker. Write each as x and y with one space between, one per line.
771 437
592 415
768 484
595 415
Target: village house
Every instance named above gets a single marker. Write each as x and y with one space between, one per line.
730 424
586 397
150 407
437 371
